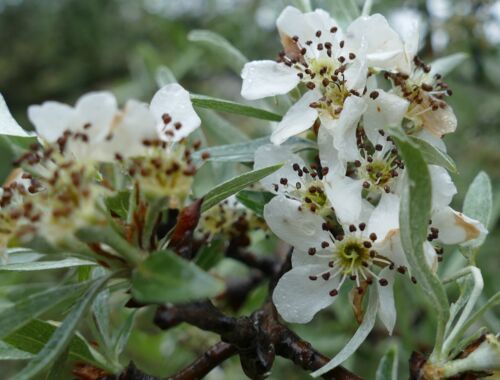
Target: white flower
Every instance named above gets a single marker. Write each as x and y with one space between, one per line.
323 262
315 54
294 179
96 130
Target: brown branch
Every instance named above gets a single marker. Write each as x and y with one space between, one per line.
257 338
266 265
205 363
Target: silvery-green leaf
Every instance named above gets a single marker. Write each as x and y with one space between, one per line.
221 47
45 265
435 156
164 76
8 352
446 64
388 365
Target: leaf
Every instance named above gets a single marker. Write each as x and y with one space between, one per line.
100 310
245 152
164 76
220 47
27 309
218 130
228 188
446 64
8 352
255 200
61 338
414 217
123 334
210 254
434 156
32 337
358 338
388 365
478 201
44 265
8 125
345 11
22 255
166 277
119 203
229 106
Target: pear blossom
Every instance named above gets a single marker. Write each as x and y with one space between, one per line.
96 130
325 257
294 179
315 54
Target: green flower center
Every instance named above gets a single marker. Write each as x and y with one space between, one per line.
352 255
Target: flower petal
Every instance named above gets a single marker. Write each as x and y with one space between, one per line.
345 131
344 193
298 299
384 111
328 154
299 118
383 44
97 109
51 119
440 122
385 217
137 124
174 101
443 188
270 154
267 78
387 308
302 229
455 227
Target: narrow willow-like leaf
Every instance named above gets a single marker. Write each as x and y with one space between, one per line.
478 202
388 366
210 254
435 156
229 106
236 184
358 338
303 5
8 352
245 152
446 64
221 47
18 314
45 265
255 200
166 277
164 76
123 334
218 130
61 338
414 220
345 11
32 337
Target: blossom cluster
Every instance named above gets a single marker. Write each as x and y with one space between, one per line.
340 208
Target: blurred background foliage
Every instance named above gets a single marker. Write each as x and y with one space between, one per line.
59 49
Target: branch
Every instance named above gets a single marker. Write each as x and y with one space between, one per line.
214 356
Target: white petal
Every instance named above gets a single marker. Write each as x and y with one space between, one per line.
344 194
345 131
443 188
267 78
383 43
268 155
98 109
392 248
299 118
440 122
356 72
291 22
300 258
328 154
51 119
430 256
174 100
8 125
455 227
387 308
136 125
385 111
302 229
385 217
298 299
